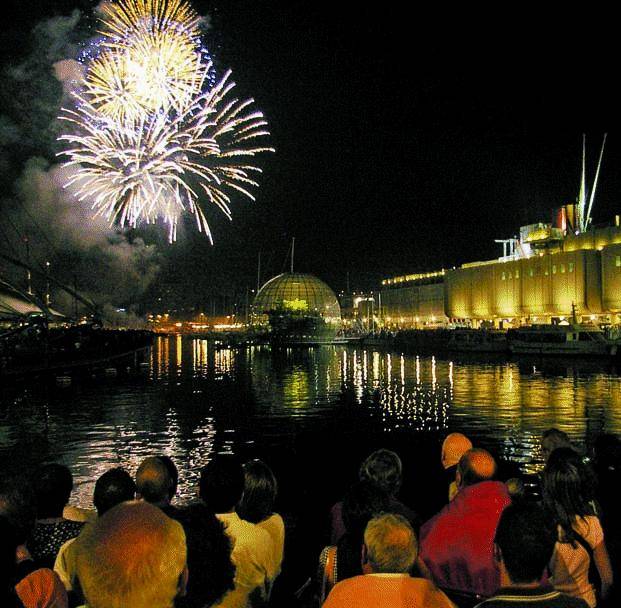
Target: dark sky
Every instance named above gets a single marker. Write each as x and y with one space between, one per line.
407 138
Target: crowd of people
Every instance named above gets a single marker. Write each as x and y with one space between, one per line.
493 544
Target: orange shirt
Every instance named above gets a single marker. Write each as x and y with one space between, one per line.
42 589
390 590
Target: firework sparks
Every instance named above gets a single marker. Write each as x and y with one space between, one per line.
150 168
152 135
148 76
151 59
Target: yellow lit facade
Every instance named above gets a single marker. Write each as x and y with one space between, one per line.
582 273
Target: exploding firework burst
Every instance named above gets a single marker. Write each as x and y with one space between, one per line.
152 133
150 76
119 18
153 167
151 58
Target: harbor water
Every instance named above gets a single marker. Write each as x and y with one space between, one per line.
312 413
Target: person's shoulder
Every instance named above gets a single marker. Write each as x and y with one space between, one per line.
67 549
590 528
434 596
274 521
251 535
556 600
349 584
41 581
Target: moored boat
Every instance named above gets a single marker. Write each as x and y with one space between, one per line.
464 339
573 339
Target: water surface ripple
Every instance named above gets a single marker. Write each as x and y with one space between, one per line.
190 399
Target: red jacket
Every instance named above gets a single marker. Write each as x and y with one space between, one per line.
457 544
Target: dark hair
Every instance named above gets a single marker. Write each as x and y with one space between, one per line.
221 483
153 481
17 506
112 488
384 469
553 439
526 540
209 554
173 472
8 545
52 485
260 489
567 490
363 501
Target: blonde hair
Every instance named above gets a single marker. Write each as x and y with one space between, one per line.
133 555
391 544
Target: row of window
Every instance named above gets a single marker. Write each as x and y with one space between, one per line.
561 268
533 271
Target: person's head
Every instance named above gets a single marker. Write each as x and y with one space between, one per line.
17 506
222 483
133 555
553 439
384 469
52 485
153 481
209 553
173 472
474 466
260 489
524 543
453 448
363 501
567 488
112 488
516 489
390 545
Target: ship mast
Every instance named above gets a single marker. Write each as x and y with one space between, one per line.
592 198
584 212
582 194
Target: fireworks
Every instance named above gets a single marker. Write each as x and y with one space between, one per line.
151 58
151 133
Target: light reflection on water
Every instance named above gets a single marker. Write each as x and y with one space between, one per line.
191 399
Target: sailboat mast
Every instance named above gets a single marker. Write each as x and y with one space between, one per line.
292 252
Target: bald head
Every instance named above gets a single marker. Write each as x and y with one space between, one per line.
454 447
154 482
133 555
474 466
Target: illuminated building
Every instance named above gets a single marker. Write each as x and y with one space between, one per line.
552 271
545 275
298 306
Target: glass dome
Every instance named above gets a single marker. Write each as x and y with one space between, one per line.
298 292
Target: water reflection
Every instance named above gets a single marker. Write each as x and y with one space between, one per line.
196 398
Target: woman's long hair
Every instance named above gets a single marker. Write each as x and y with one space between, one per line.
260 489
568 491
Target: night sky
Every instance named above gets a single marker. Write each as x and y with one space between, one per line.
407 140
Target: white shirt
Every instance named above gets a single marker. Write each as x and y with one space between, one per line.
253 556
570 566
275 527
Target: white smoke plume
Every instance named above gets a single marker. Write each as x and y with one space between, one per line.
107 265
